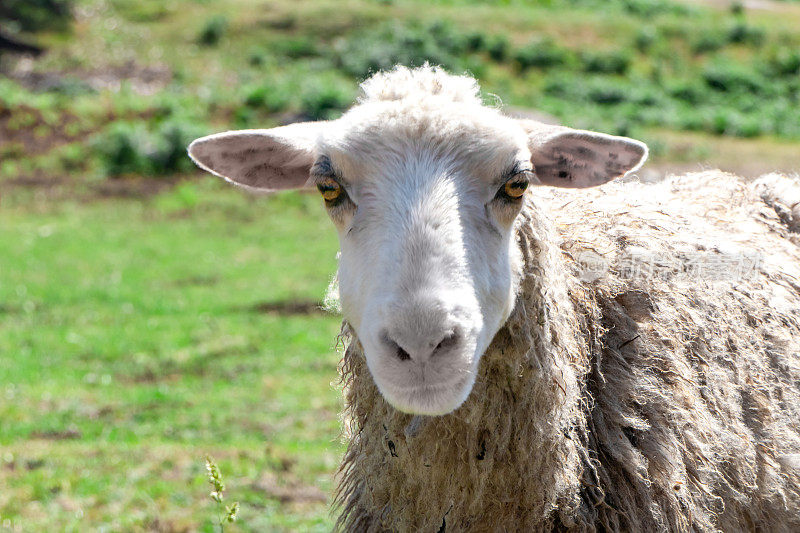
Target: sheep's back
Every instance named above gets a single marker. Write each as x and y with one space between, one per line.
695 386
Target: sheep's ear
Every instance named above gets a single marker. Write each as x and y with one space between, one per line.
266 160
563 157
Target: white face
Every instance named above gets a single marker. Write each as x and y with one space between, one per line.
427 255
424 201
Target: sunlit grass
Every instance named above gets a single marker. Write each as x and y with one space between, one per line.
130 346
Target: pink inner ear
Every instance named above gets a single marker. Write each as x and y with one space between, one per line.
577 159
265 160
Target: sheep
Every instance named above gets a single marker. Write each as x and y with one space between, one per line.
526 352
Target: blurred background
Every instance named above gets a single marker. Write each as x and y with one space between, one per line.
150 315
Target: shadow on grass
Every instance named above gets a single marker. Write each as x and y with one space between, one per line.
285 308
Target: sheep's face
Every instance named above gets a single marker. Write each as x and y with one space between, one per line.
425 210
424 198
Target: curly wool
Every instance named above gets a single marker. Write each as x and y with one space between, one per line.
426 82
644 397
783 195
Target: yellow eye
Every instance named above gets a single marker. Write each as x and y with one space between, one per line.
516 186
330 189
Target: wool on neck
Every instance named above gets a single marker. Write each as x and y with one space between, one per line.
512 450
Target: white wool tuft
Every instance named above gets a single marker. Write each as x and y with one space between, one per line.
403 83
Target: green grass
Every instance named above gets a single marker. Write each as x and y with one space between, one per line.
130 347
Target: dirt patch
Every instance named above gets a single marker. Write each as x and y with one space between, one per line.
132 187
142 79
197 281
57 434
289 491
287 307
39 181
161 525
34 464
54 187
25 132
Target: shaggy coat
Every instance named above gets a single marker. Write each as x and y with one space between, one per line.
648 378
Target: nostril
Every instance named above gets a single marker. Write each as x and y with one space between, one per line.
402 354
398 350
446 345
451 340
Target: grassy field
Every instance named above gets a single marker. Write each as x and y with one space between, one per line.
137 336
150 315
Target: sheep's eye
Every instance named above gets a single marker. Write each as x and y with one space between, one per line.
516 186
330 189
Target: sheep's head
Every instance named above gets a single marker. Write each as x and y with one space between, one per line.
423 184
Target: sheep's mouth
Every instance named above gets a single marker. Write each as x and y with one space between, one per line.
430 399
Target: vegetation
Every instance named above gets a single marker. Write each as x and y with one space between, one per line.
149 315
643 66
227 513
640 67
136 336
213 30
34 15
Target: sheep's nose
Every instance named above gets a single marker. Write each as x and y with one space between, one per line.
421 350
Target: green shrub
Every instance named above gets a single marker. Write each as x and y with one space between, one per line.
650 8
541 53
413 44
296 48
751 126
785 119
122 149
257 58
607 92
171 141
608 62
271 96
142 11
645 38
127 148
395 43
498 47
638 8
326 98
213 30
689 119
784 62
475 41
244 117
35 15
448 37
688 91
743 33
708 41
639 95
727 76
70 86
731 122
72 156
